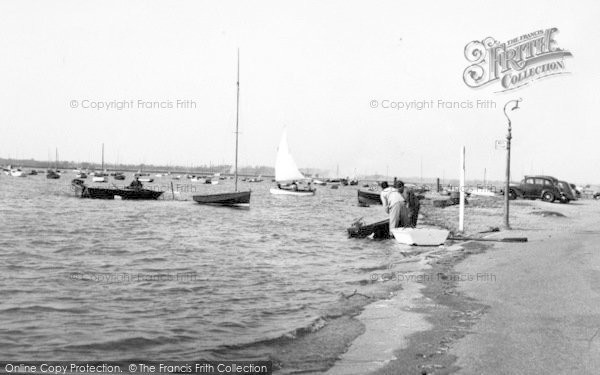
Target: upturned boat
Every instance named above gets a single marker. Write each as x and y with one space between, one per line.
420 236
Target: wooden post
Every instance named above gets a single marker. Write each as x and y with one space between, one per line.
461 214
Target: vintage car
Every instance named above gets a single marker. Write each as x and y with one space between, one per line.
538 187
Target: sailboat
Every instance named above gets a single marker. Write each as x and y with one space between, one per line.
287 173
100 176
236 198
53 174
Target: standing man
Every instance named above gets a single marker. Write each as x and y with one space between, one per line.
412 206
392 202
404 213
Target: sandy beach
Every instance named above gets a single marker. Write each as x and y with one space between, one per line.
493 307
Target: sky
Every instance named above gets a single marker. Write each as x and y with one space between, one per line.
313 67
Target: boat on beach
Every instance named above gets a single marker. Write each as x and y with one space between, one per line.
420 236
287 173
235 198
380 229
84 191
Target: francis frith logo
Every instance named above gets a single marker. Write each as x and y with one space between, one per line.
514 63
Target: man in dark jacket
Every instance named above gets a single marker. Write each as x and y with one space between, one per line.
136 184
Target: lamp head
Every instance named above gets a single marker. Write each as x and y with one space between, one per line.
516 104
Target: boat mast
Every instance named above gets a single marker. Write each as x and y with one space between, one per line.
237 117
103 157
56 159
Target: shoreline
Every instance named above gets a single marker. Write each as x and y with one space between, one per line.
450 315
399 331
442 302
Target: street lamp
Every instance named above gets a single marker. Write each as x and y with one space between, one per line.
508 139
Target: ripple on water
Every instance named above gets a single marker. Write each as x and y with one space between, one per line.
251 276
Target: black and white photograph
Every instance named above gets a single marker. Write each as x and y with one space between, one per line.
299 187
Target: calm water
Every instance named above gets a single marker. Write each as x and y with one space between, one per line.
116 280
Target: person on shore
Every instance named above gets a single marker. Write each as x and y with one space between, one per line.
392 202
403 209
136 184
412 203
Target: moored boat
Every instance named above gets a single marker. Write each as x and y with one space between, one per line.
99 177
299 193
256 179
17 172
236 198
369 197
287 173
51 174
84 191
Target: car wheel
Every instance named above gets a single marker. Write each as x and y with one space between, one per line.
548 197
512 195
564 200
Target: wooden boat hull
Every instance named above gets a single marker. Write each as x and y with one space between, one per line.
85 191
420 236
240 199
380 229
369 197
299 193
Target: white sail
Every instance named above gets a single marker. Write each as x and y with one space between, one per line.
285 166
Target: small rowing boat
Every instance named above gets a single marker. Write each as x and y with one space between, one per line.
420 236
84 191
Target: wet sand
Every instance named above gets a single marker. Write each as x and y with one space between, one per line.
494 307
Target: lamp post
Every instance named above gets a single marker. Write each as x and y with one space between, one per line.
508 139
